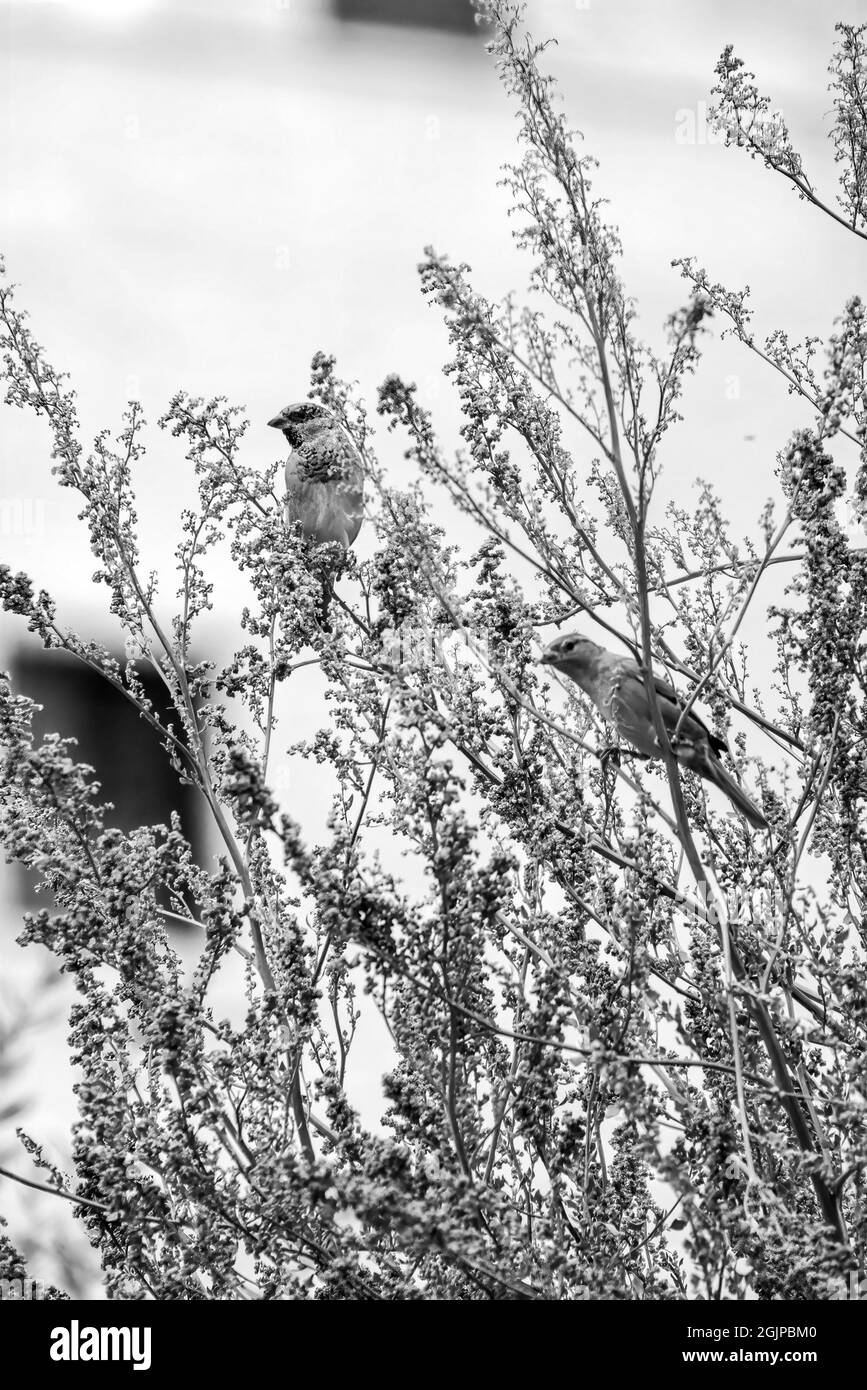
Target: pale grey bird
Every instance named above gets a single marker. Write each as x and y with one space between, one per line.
616 687
324 474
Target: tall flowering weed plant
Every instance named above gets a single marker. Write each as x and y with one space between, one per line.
623 1033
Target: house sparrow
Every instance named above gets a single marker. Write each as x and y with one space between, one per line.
616 687
324 475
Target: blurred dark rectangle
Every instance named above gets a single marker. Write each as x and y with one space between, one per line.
125 752
428 14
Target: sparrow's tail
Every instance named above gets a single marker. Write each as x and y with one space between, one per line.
714 771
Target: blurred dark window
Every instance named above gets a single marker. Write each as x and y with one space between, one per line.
430 14
124 751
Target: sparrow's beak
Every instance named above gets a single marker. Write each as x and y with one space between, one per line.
277 423
548 658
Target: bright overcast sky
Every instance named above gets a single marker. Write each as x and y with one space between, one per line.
202 194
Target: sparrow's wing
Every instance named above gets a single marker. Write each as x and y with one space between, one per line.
634 718
669 696
697 748
665 690
330 457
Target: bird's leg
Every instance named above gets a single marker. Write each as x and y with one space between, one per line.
328 560
610 753
327 596
613 752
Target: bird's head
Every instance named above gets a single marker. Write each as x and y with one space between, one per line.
300 420
571 653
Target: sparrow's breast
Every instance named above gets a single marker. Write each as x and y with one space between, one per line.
326 511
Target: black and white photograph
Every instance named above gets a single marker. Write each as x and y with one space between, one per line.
433 668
